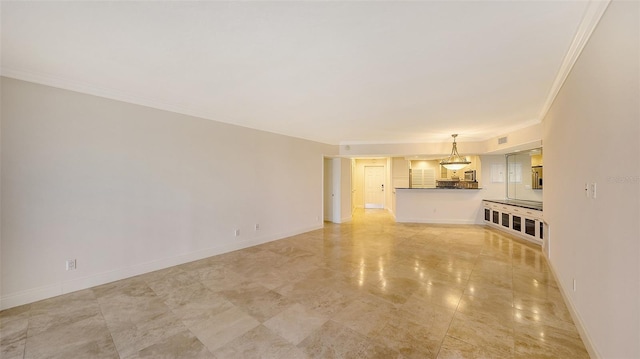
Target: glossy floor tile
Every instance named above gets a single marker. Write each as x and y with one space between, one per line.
371 288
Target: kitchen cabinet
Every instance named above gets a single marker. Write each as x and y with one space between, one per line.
505 219
516 223
530 227
523 222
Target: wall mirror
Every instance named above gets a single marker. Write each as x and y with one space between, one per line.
525 175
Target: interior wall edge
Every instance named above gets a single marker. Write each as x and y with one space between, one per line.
575 315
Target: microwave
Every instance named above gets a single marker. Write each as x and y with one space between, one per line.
470 176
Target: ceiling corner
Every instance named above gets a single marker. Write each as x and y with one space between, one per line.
592 14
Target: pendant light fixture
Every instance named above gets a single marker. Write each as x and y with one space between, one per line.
454 162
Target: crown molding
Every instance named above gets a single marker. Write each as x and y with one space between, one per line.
592 15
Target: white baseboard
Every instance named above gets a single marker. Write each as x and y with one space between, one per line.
64 287
435 221
577 319
346 219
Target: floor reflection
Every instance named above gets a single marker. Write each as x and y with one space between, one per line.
368 288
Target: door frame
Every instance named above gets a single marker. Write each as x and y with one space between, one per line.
384 183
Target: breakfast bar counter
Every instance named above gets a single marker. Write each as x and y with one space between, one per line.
438 205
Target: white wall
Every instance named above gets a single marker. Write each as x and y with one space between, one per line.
523 190
400 172
431 205
345 189
523 139
399 179
596 117
388 191
328 189
337 190
126 189
491 189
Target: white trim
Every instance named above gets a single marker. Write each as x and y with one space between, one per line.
435 221
577 320
64 287
346 219
373 206
594 11
392 212
586 339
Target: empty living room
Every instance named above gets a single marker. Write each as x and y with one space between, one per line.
320 179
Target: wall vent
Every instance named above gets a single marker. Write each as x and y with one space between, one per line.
502 140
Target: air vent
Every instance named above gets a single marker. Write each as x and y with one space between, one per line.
502 140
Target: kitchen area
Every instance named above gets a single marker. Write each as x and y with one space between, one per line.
503 191
520 212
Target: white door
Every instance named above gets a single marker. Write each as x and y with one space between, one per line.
374 187
328 189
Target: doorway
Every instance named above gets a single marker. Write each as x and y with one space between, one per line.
374 186
337 190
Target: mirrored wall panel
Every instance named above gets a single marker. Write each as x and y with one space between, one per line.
525 175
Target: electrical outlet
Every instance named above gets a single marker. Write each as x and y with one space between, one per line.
237 233
70 264
257 227
593 190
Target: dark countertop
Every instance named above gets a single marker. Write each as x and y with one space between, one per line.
441 188
535 205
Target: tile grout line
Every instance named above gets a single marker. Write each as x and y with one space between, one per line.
513 308
106 324
487 256
458 305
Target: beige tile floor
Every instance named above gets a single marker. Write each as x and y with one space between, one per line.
372 288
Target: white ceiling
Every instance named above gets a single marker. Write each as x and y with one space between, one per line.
333 72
